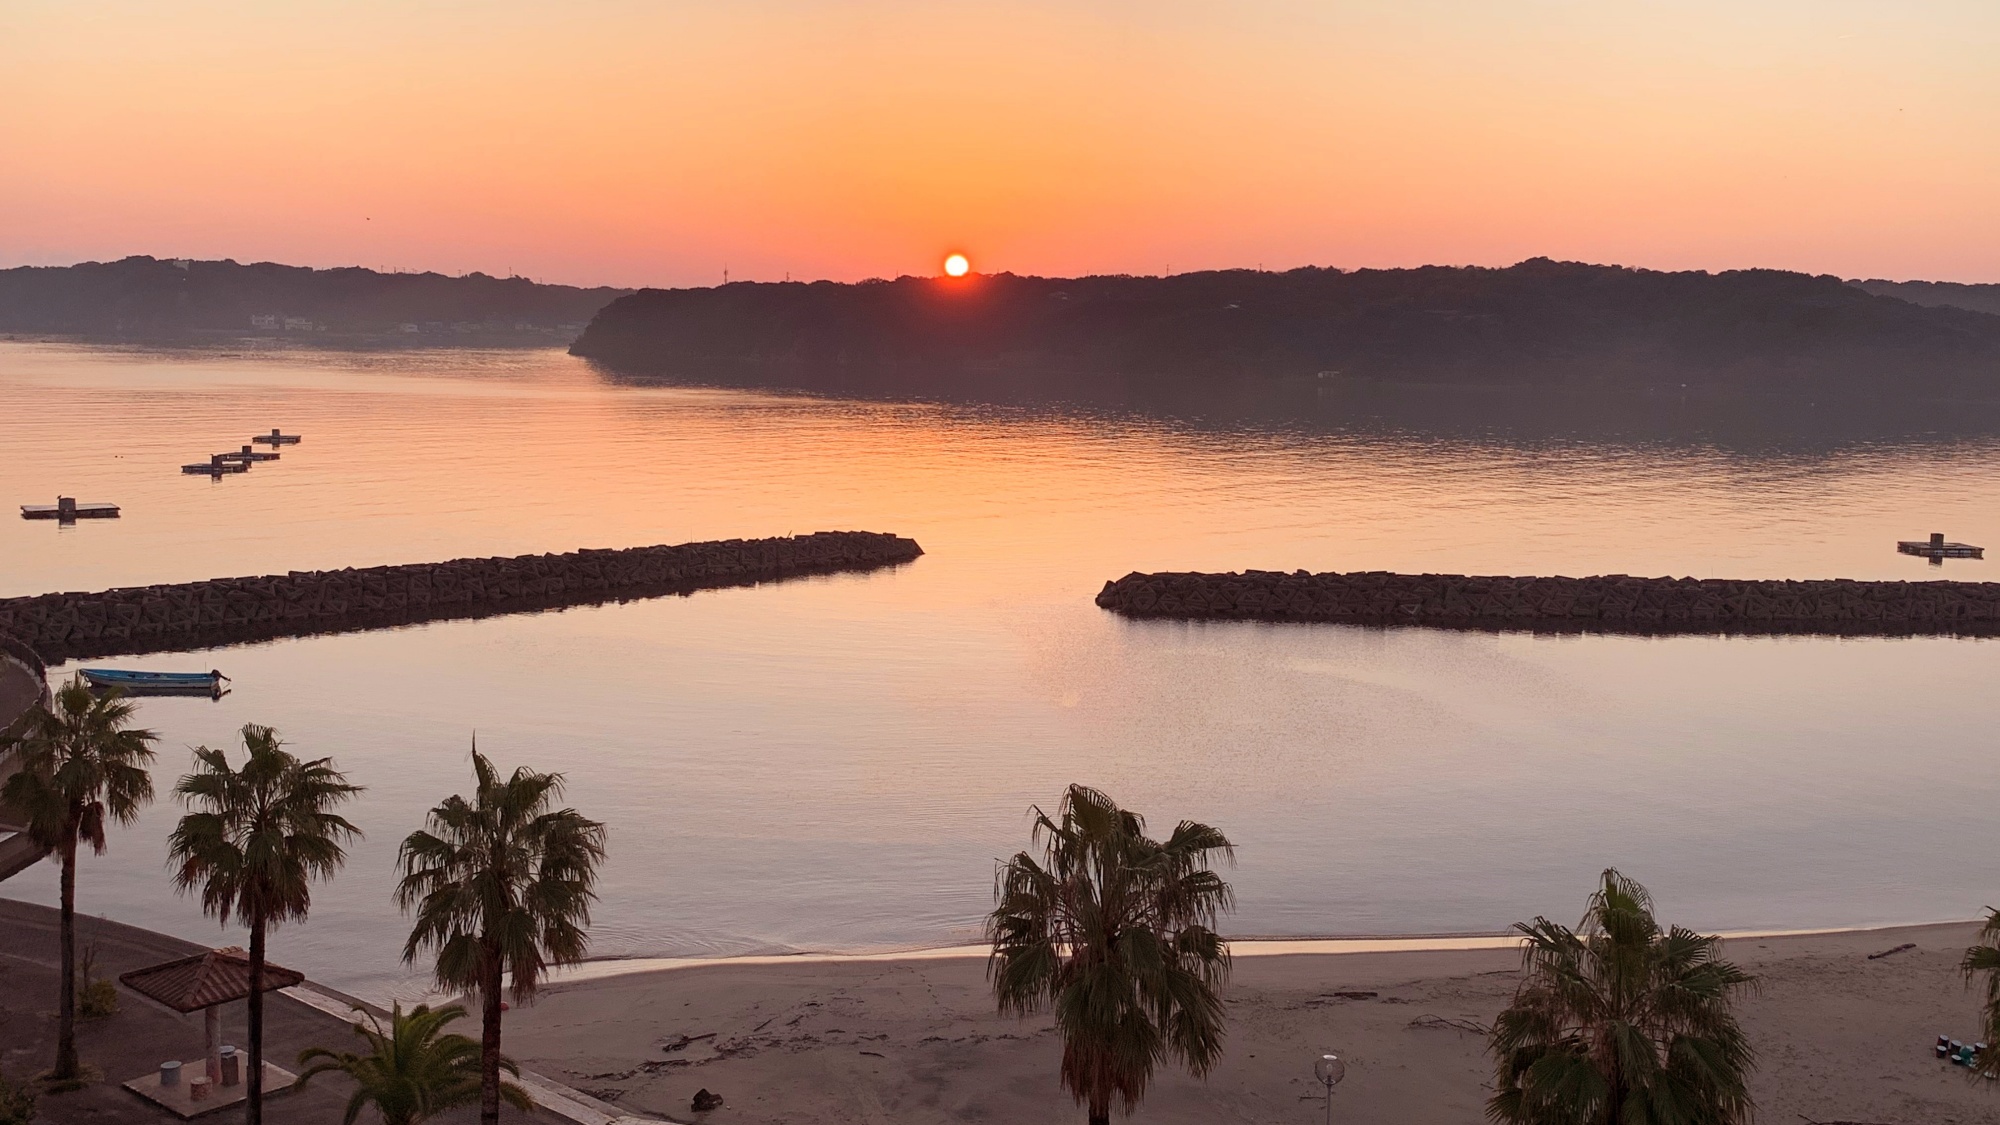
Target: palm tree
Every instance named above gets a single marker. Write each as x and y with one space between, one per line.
501 883
1115 932
1621 1023
253 842
414 1070
80 766
1985 958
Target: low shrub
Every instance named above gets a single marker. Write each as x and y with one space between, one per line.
95 998
17 1103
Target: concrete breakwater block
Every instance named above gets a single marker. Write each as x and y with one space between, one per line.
221 611
1614 603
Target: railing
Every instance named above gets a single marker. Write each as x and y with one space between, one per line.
14 652
21 652
18 851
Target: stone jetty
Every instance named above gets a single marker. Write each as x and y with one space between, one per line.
1614 603
223 611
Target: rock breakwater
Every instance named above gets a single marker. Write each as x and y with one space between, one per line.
1613 603
236 610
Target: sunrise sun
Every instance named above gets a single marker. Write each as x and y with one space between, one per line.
956 265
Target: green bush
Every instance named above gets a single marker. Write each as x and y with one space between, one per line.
17 1103
96 999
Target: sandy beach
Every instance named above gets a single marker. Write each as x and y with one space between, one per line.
1842 1037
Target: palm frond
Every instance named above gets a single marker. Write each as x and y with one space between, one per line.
1620 1021
412 1069
79 763
256 838
1113 932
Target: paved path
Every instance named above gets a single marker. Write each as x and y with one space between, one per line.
142 1034
19 688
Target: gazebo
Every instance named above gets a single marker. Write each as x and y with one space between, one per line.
203 983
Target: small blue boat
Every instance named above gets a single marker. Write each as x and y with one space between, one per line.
155 683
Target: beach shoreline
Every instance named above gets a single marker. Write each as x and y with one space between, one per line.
602 968
1843 1021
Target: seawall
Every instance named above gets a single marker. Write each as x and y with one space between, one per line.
1614 603
222 611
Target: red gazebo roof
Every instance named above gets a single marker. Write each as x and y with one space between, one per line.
205 979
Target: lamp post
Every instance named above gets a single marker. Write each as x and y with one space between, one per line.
1329 1069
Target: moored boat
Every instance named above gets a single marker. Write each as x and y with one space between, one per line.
155 683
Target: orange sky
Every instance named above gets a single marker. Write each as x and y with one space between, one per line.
645 142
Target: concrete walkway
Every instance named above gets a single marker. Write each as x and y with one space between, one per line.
20 688
142 1035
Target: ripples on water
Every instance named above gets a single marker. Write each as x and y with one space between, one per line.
835 763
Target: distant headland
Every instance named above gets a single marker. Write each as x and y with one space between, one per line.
1538 324
163 300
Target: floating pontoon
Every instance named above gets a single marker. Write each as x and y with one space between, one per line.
68 510
1937 550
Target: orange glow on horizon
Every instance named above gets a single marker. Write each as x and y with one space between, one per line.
814 138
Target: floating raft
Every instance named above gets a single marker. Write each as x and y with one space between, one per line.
275 437
216 466
222 611
249 454
1936 548
67 508
1613 603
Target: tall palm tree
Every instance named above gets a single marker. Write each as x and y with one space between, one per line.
413 1070
80 766
1621 1023
1115 932
1985 958
502 884
253 842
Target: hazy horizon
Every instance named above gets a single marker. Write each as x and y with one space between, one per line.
588 284
626 144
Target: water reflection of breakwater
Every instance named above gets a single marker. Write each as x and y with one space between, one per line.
1607 604
223 611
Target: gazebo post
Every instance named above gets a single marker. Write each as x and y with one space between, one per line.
206 983
212 1042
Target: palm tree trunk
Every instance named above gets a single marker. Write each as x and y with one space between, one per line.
66 1061
489 1040
253 1083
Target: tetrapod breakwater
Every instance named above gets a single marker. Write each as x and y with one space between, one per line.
221 611
1613 603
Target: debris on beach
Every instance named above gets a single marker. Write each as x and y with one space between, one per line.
1442 1023
704 1101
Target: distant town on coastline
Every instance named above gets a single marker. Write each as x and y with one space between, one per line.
164 300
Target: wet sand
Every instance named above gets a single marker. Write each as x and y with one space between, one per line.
916 1040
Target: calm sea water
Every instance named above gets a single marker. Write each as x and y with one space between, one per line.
834 764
